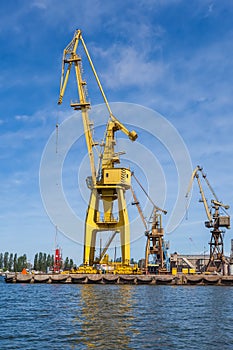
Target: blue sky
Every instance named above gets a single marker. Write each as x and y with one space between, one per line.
174 57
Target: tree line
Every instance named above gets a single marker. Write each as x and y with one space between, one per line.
42 262
11 262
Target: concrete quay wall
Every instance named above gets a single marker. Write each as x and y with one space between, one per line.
179 279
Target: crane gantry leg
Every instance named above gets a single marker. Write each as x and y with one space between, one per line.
94 223
124 227
216 259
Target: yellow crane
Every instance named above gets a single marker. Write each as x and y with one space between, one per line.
215 221
107 183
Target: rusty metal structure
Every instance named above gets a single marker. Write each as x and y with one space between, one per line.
215 221
156 252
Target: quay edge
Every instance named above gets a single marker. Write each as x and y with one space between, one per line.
178 279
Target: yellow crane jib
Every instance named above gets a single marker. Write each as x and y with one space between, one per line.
107 182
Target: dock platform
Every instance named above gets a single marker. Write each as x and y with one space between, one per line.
179 279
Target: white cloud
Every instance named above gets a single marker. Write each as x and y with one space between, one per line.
23 117
40 4
131 68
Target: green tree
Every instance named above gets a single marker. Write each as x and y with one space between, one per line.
44 263
25 261
5 260
49 262
1 261
66 264
15 263
40 261
22 262
36 262
10 262
71 263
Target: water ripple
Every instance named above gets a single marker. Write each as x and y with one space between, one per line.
115 317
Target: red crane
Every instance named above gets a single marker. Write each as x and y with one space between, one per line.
57 260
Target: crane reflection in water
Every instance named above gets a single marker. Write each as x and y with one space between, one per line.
105 318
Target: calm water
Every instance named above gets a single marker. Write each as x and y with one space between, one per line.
115 317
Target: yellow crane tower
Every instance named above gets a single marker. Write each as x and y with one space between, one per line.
107 183
215 221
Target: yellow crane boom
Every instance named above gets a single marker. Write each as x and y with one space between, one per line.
70 57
